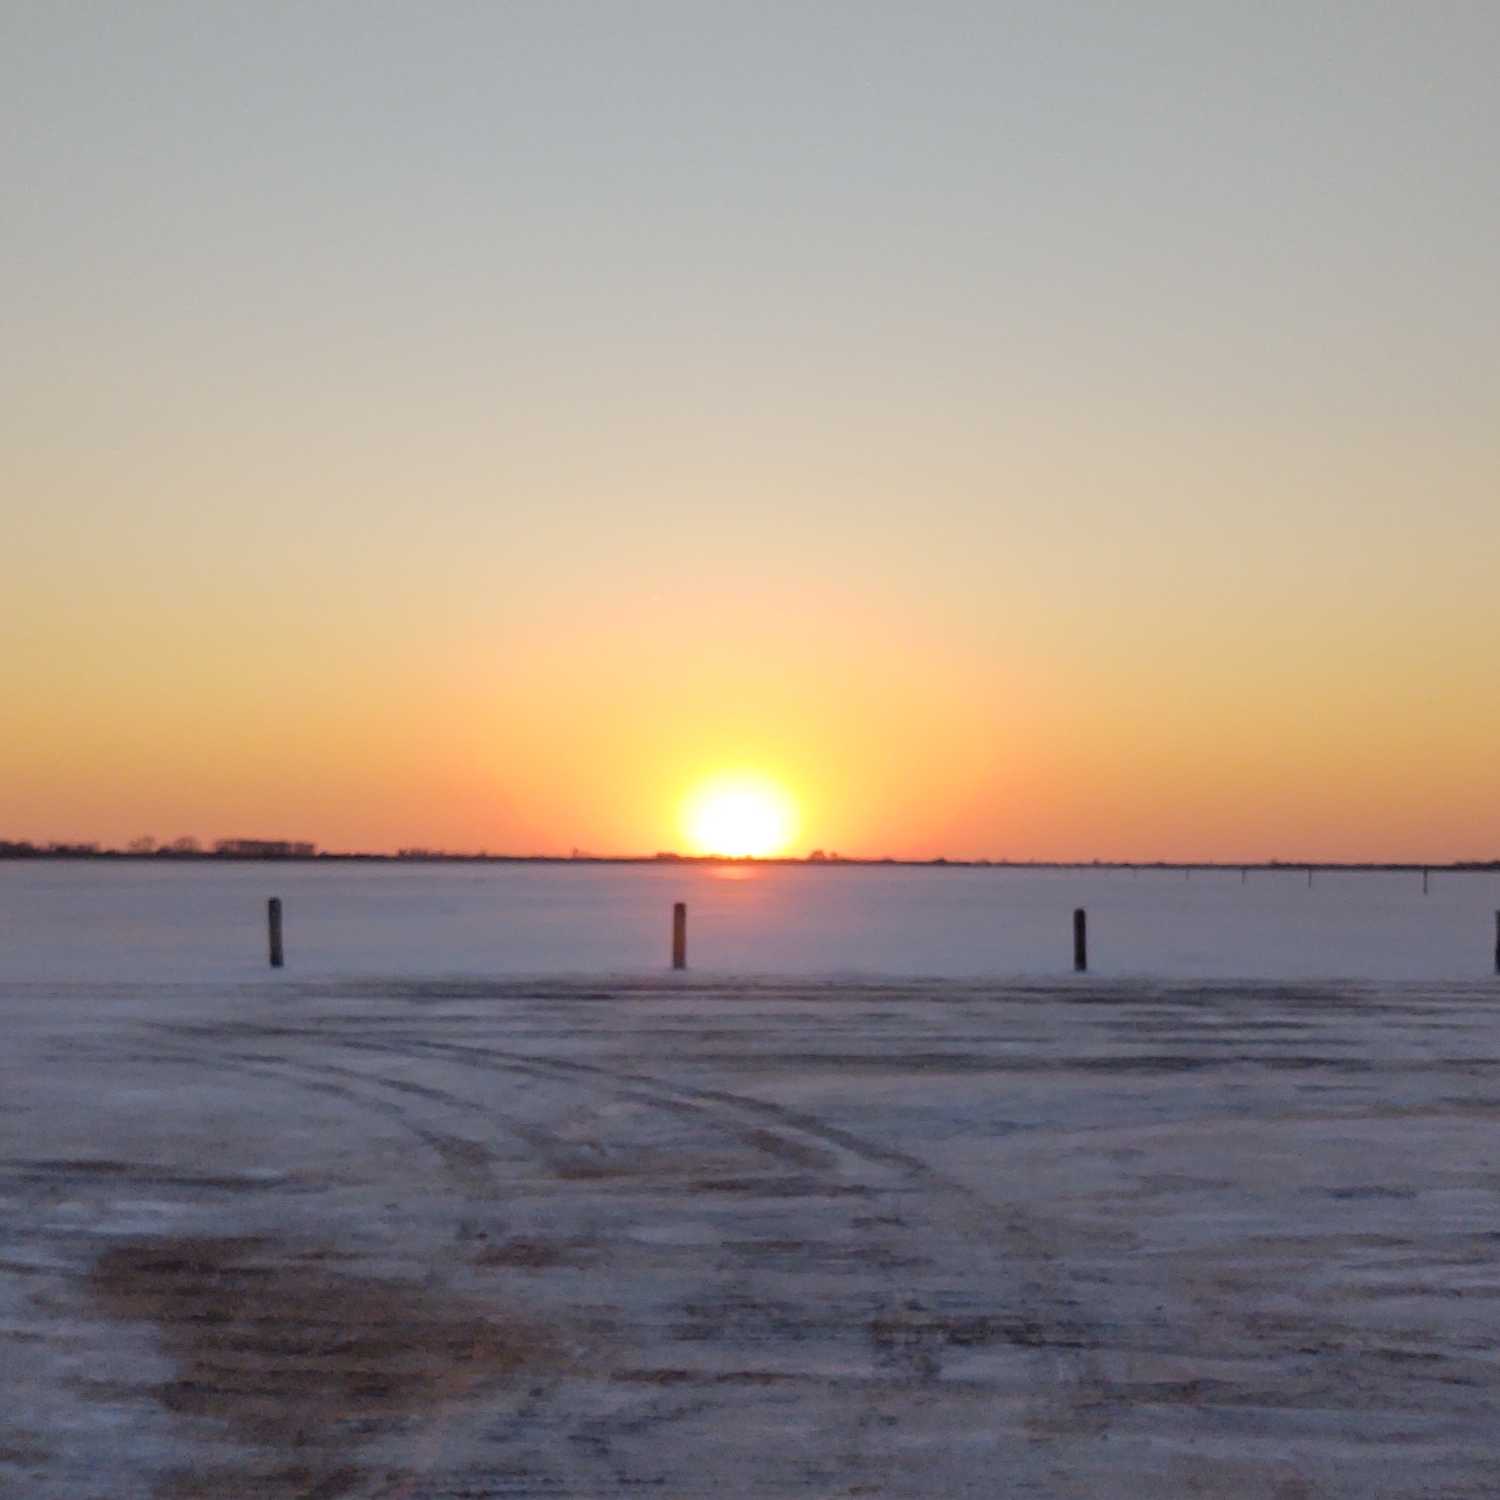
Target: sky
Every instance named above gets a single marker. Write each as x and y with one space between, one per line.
1019 430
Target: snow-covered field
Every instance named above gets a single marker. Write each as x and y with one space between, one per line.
398 1221
97 921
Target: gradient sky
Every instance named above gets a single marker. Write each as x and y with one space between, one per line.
1048 430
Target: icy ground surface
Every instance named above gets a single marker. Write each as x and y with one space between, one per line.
687 1237
95 920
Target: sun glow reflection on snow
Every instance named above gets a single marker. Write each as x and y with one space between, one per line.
740 815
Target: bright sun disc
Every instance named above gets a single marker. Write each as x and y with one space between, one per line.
740 816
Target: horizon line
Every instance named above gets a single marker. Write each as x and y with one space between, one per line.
21 849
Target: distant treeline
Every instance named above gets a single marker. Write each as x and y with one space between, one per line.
148 848
297 849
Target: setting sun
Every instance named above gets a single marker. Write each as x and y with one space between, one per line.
740 815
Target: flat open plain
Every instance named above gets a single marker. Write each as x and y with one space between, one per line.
430 1239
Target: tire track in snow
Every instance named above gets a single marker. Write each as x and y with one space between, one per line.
1048 1320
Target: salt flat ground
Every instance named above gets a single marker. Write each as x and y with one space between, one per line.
695 1236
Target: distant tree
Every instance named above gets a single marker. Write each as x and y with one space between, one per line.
187 844
143 845
817 857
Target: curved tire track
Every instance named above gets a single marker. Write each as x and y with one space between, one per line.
1048 1320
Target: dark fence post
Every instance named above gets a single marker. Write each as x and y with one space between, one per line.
1080 941
1497 942
679 935
1424 880
273 926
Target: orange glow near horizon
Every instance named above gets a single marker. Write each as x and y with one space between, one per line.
740 815
640 455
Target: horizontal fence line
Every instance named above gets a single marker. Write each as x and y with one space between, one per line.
679 935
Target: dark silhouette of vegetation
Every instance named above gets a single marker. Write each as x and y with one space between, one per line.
188 848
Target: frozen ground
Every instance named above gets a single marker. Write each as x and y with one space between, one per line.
295 1236
90 920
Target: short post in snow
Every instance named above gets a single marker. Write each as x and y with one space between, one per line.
1244 876
1309 877
273 929
1424 879
1497 942
679 935
1080 941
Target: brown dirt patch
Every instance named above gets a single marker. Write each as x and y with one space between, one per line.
296 1358
535 1255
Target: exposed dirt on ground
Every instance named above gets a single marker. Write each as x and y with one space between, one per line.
299 1361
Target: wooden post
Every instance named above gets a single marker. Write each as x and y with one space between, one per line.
1309 877
1080 941
679 935
1244 876
1424 880
1497 942
273 925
